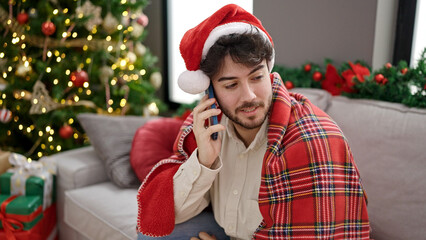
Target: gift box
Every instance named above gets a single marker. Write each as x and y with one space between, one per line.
29 179
44 229
20 212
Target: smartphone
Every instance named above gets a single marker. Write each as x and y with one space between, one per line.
213 119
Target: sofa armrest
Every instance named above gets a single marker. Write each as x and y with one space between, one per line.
79 168
75 169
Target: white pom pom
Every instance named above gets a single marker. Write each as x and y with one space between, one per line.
193 82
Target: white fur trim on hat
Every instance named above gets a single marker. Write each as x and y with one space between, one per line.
193 82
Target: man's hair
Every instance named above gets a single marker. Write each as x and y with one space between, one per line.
249 49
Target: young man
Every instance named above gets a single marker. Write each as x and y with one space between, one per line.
280 168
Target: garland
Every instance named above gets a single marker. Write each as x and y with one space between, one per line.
393 83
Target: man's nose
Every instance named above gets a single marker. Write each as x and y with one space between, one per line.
248 92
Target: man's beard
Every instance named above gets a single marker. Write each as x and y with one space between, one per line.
248 125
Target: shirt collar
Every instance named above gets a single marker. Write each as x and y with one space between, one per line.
258 141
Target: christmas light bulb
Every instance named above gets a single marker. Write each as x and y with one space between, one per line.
110 101
1 54
69 84
64 34
123 47
89 37
55 11
39 154
58 148
142 72
43 146
76 98
123 102
49 53
86 84
26 64
70 121
40 134
110 48
23 46
43 110
28 129
125 13
108 38
75 135
85 47
110 110
35 101
4 75
119 27
9 69
48 128
20 127
58 59
74 34
22 37
88 60
65 10
48 69
9 133
50 139
67 72
113 82
51 132
88 92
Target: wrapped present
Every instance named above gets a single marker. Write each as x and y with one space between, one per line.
44 228
4 161
18 213
29 179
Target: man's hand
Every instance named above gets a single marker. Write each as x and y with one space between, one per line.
204 236
208 149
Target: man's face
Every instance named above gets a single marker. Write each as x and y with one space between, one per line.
244 93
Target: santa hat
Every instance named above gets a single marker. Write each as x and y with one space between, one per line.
197 41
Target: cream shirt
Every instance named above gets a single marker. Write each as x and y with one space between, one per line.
232 184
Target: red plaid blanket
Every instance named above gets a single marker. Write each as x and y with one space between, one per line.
310 186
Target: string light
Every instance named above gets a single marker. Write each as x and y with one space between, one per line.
110 110
55 81
70 121
108 38
58 148
85 84
55 12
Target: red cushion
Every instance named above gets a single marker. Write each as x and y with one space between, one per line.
153 142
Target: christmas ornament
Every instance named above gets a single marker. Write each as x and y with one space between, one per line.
132 57
79 77
110 23
48 28
156 80
91 11
388 65
307 67
22 18
317 76
139 49
5 115
379 78
404 71
66 132
289 84
23 69
105 72
143 20
41 102
137 30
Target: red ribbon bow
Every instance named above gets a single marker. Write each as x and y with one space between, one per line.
7 221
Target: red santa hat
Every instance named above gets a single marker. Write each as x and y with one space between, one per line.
197 41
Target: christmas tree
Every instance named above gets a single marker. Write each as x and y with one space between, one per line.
62 58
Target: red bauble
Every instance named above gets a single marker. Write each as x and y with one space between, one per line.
66 132
404 70
22 18
388 65
379 78
79 77
48 28
289 84
143 20
317 76
307 67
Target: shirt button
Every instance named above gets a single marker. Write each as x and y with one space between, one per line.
235 192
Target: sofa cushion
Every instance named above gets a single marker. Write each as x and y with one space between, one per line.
153 142
318 97
112 136
102 211
388 144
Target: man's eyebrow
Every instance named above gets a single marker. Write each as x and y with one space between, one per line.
251 72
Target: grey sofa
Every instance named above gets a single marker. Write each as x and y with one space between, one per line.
388 141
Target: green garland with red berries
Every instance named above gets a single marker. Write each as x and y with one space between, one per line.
393 83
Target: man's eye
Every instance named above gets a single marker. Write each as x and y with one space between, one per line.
229 86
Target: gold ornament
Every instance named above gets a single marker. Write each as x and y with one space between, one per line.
110 23
156 80
140 49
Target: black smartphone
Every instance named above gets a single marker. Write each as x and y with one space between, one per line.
213 119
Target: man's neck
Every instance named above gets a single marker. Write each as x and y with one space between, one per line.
245 135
